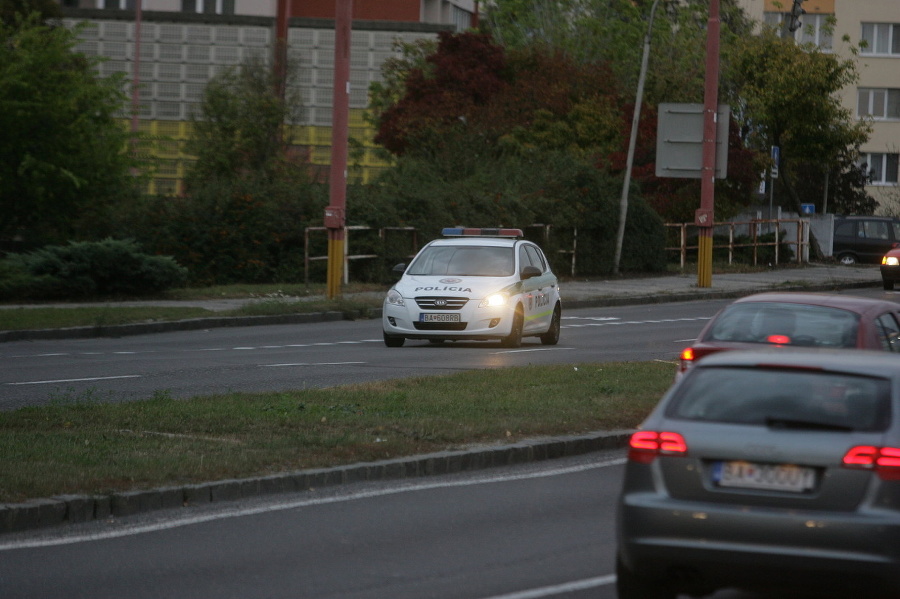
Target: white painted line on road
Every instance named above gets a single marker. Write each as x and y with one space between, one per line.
315 364
93 378
559 589
239 512
524 351
621 322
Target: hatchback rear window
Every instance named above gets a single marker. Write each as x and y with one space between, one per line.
786 324
788 398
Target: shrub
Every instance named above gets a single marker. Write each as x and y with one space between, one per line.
88 269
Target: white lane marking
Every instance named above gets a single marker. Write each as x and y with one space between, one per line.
559 589
93 378
591 318
237 512
522 351
621 322
314 364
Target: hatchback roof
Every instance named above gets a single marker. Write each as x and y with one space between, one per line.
853 303
863 362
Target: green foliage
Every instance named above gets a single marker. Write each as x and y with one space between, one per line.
232 230
789 97
88 269
63 153
238 131
13 12
428 192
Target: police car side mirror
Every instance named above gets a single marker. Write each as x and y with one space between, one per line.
530 271
399 269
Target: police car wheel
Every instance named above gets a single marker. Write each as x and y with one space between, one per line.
393 340
514 339
551 337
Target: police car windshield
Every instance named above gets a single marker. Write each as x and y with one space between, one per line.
464 261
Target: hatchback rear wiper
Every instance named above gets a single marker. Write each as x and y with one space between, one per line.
793 423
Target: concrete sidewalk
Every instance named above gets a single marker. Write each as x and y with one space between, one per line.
55 511
575 294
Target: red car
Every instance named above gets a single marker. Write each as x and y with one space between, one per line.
799 320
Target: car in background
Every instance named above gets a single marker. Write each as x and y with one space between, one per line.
890 269
864 238
796 319
474 284
767 471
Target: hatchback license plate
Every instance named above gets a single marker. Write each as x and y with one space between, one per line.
438 317
770 477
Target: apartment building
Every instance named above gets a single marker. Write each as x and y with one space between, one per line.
874 27
184 43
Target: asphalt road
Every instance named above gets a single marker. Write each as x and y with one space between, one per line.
280 357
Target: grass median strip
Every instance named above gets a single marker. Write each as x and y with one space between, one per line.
83 446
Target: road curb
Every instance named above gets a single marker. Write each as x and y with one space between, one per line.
72 509
194 324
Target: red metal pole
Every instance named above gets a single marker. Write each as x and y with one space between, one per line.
334 213
705 216
282 17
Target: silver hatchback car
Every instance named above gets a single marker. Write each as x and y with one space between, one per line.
767 471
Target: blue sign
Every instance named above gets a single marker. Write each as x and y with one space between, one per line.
807 208
776 161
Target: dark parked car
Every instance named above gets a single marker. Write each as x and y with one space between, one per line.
798 319
767 471
864 238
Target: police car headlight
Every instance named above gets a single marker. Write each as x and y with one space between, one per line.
494 300
394 297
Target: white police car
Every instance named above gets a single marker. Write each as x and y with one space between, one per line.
474 284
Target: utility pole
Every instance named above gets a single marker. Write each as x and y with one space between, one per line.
705 216
335 212
629 163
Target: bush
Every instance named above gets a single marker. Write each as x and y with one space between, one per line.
88 269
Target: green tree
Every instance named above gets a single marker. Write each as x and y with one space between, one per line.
242 125
13 12
62 151
787 96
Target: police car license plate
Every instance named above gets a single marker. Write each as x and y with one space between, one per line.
438 317
769 477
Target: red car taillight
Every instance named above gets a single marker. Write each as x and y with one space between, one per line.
644 446
885 461
687 358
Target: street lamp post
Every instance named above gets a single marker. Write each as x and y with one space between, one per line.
629 162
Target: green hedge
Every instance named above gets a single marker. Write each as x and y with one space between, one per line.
108 268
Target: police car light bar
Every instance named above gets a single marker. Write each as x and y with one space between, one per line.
470 232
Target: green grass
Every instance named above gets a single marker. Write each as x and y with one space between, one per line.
87 444
272 300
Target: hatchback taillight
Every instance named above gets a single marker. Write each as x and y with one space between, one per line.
883 460
687 358
644 446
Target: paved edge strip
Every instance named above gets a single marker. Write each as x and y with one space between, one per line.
374 313
71 509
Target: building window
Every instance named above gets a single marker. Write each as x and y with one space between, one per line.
815 29
882 168
462 19
211 7
881 38
880 104
116 4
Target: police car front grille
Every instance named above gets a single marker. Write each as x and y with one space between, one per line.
440 326
441 303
